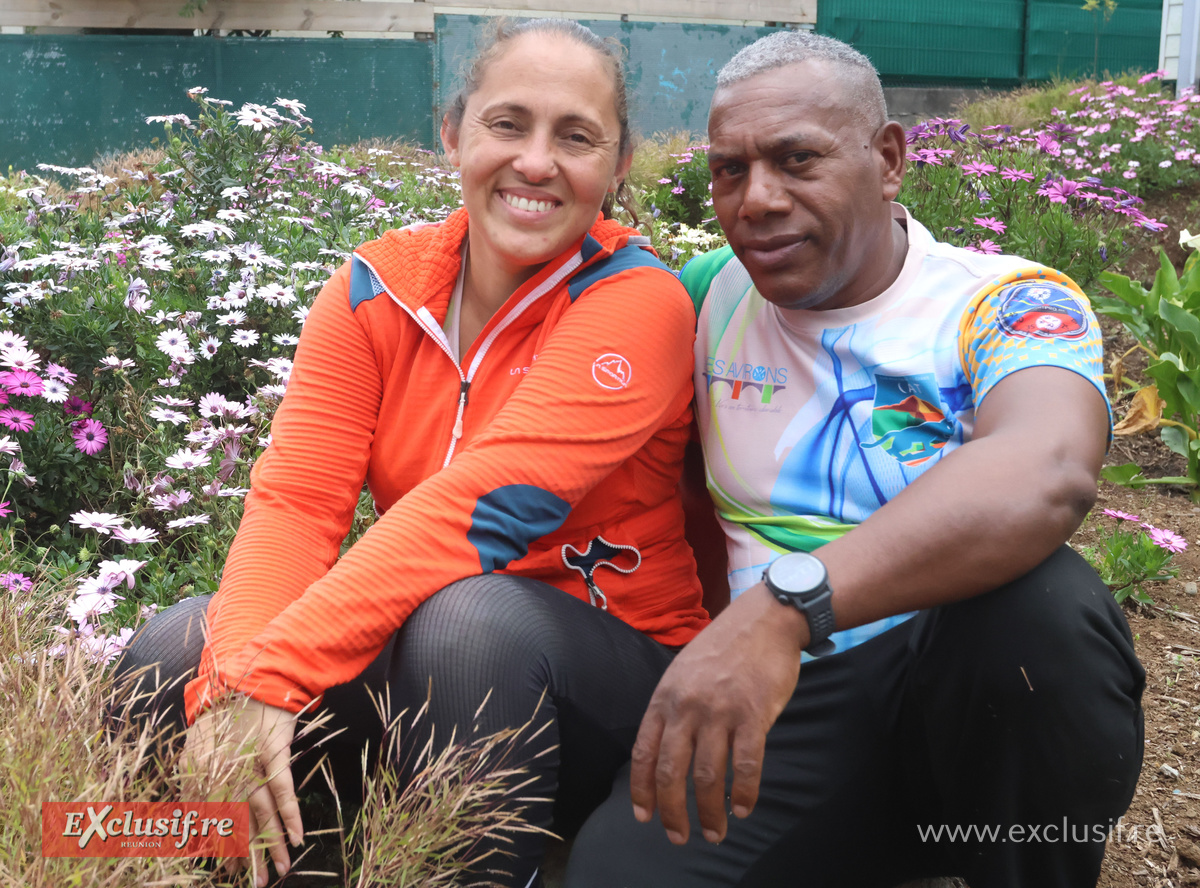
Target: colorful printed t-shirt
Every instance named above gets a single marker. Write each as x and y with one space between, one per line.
812 420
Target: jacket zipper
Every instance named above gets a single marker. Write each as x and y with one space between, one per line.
425 320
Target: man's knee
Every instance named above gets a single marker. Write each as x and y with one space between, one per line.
1044 665
1059 622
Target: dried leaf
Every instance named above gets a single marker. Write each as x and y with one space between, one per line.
1144 413
1117 367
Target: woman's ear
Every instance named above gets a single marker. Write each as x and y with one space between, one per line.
450 140
622 171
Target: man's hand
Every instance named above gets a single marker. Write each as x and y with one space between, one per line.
241 727
722 694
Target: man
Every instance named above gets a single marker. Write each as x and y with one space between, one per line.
884 401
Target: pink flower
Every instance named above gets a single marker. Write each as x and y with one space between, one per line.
90 436
1121 516
985 246
1013 175
978 168
5 511
61 373
991 223
23 382
1165 539
1059 191
15 582
17 420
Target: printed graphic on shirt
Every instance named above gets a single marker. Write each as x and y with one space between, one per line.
611 371
751 383
906 421
1041 310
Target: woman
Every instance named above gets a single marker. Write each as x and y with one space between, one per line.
514 384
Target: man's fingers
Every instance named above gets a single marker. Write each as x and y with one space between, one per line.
708 777
749 747
670 777
644 762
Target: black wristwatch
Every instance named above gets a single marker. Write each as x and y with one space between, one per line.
800 579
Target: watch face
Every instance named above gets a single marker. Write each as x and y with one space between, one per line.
797 572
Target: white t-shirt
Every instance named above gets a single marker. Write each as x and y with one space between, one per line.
812 420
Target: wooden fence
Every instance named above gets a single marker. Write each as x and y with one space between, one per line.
367 15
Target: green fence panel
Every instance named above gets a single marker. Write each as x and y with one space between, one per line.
931 40
67 99
1065 41
672 68
997 42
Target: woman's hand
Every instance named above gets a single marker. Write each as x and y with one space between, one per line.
218 744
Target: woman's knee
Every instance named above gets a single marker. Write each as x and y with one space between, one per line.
486 624
160 659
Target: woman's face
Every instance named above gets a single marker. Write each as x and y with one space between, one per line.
537 151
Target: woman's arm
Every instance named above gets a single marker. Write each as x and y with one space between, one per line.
560 433
305 486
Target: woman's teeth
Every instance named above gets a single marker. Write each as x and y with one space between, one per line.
536 206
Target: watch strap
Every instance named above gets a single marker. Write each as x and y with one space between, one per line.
819 613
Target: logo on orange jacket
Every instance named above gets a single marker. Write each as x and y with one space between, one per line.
611 371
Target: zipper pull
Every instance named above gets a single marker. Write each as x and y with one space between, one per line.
464 387
594 592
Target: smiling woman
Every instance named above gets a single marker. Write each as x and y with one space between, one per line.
514 386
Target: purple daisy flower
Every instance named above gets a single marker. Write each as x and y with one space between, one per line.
90 436
17 420
76 406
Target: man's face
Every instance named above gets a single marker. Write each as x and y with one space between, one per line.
802 184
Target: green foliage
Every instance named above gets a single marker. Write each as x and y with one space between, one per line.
1127 558
1164 321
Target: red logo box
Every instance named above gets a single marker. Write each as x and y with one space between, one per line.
145 829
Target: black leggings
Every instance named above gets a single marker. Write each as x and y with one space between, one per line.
516 638
1017 711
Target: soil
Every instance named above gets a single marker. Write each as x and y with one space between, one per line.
1167 633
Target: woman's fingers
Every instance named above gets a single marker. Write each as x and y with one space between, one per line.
275 759
269 836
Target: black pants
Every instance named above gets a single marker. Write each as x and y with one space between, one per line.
1018 710
515 638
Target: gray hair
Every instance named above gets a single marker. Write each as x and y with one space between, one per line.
792 47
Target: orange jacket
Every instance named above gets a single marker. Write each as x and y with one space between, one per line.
552 452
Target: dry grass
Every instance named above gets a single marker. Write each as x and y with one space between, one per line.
59 743
58 746
430 832
1028 106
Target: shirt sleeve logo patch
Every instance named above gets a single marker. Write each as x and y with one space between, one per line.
611 371
1042 310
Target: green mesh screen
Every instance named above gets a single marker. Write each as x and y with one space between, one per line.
67 99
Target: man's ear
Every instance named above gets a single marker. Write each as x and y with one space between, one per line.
450 140
891 148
